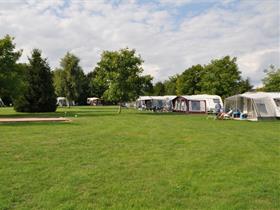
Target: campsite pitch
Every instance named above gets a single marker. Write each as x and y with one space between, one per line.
138 160
34 119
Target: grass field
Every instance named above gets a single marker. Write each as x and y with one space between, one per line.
138 160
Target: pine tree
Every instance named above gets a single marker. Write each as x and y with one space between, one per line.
39 95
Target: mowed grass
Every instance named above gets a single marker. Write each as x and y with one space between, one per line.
138 160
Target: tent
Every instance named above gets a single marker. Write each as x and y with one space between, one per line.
211 101
94 101
163 103
1 103
62 101
189 104
256 105
144 103
169 103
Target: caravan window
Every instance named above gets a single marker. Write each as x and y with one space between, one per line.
261 108
216 101
277 102
195 105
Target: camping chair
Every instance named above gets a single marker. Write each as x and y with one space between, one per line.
211 115
225 116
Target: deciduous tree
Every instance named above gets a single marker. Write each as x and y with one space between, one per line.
221 77
70 80
189 82
121 71
272 79
170 85
159 89
10 71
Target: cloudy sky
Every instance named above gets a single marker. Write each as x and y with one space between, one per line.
170 35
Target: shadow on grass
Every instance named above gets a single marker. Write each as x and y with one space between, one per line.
166 113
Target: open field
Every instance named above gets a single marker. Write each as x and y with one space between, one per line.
138 160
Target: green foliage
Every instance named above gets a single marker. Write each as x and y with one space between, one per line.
97 82
70 80
159 89
119 72
188 83
221 77
272 79
118 77
58 81
9 70
244 86
138 160
145 85
170 85
38 95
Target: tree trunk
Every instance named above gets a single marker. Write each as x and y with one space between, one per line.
120 108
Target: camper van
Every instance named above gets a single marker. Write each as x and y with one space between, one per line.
211 101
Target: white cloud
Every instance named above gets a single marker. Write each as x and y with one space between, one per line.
248 30
175 2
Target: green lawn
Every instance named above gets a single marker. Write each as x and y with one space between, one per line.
138 160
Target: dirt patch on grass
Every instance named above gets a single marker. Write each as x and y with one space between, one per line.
34 119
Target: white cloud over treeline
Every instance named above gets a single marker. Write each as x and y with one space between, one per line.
169 35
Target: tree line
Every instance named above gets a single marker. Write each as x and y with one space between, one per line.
117 78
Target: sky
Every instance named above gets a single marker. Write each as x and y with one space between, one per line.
170 35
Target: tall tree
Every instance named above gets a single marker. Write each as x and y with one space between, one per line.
70 80
9 70
84 89
97 82
58 82
221 77
39 95
188 83
159 89
244 86
145 85
170 85
272 79
121 71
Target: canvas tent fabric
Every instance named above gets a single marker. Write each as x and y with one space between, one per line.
189 104
163 103
62 101
144 102
256 105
